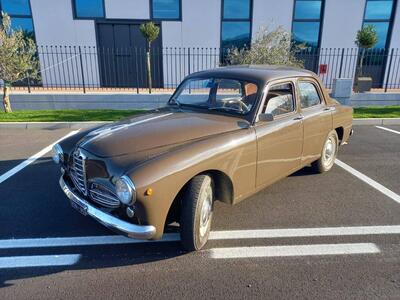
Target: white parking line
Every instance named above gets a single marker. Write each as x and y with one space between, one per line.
31 159
79 241
369 181
295 250
303 232
38 261
215 235
388 129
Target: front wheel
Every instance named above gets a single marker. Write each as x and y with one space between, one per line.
197 212
328 154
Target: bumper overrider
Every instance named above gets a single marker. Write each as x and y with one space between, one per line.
115 224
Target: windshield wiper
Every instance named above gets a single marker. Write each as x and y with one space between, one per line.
226 109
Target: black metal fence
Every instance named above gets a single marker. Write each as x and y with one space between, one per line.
88 68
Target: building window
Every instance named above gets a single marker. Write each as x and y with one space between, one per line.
236 9
307 20
89 9
166 9
379 13
236 24
20 14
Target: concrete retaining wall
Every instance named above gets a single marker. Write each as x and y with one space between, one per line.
368 99
87 101
145 101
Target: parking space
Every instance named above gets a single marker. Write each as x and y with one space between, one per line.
376 153
19 144
307 236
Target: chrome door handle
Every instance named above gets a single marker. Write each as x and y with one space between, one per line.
298 118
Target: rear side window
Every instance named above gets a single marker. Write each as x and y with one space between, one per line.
308 95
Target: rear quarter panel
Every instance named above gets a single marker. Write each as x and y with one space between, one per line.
343 117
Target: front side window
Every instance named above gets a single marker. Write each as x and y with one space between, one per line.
280 100
89 9
217 94
308 95
166 9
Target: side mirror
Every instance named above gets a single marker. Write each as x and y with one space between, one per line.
266 117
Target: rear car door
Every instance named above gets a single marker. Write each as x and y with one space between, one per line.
279 142
317 118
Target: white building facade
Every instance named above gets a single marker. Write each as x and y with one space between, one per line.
190 25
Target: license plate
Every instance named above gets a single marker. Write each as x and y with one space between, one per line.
79 207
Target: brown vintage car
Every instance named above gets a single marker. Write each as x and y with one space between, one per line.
223 135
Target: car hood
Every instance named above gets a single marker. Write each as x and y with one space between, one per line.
156 130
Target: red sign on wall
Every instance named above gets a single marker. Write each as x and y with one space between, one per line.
323 69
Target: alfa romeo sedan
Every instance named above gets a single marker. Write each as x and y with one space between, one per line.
223 135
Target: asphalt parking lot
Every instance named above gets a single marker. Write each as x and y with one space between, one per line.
330 236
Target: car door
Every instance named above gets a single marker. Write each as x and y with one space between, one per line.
280 141
317 118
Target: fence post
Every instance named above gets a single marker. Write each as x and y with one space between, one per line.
341 64
82 73
389 69
188 60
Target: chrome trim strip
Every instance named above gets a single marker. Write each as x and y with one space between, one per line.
130 230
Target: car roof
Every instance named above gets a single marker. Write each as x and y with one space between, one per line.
259 73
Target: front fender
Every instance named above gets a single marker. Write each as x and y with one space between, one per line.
233 154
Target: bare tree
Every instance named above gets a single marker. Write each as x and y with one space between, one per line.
17 58
271 47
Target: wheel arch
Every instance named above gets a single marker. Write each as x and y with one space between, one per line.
223 188
340 133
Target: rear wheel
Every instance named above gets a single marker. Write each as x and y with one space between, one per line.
197 212
328 154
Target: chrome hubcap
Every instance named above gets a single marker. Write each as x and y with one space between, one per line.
329 151
206 210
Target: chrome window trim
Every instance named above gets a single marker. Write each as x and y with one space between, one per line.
291 81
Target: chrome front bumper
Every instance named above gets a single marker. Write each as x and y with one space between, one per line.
125 228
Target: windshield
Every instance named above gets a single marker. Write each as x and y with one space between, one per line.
228 95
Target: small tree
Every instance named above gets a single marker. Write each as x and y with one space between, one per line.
17 58
366 38
150 31
272 47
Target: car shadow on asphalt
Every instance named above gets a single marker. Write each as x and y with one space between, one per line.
33 206
91 258
306 171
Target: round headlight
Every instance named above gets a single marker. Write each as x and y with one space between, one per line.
125 190
58 155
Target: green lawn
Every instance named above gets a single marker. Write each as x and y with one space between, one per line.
377 112
70 115
67 115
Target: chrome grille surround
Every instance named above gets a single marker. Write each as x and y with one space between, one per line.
103 196
78 172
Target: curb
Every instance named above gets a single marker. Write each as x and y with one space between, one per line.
377 121
78 125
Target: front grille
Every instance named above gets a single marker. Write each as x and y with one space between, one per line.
78 173
103 196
